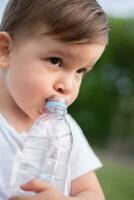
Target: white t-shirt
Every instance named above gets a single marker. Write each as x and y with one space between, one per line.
83 159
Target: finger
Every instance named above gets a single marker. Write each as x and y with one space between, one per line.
22 197
36 186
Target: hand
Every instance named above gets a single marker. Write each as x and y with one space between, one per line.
44 191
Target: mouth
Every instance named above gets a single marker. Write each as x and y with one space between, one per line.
42 107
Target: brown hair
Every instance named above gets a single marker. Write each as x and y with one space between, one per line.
76 21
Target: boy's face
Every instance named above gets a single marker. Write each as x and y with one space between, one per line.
41 67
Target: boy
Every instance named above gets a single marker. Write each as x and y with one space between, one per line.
46 47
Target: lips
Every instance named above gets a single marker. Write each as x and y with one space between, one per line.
43 107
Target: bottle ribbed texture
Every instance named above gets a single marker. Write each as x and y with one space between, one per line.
46 151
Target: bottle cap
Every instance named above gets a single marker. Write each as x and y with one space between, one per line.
56 101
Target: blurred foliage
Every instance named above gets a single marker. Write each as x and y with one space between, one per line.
105 106
116 180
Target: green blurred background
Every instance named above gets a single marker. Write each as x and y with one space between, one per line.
105 111
105 107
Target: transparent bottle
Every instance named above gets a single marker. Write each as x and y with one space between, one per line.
46 151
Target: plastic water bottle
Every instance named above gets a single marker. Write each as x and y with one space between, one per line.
46 151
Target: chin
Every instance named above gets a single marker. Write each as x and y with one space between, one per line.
33 115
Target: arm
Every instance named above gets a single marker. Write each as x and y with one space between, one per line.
85 187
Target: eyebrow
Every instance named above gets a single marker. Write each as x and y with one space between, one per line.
62 53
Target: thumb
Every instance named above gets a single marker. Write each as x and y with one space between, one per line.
36 186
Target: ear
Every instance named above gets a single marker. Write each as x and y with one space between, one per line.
5 49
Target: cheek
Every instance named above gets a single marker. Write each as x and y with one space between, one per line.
76 90
74 95
24 88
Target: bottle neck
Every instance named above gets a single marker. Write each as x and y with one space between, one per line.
56 110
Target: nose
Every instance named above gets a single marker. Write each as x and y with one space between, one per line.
64 85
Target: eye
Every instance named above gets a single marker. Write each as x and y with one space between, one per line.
55 61
82 71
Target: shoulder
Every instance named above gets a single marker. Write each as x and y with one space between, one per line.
75 128
83 158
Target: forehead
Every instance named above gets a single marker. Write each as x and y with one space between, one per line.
80 51
48 45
